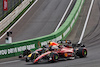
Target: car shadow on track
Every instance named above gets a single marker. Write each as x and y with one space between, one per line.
46 62
30 63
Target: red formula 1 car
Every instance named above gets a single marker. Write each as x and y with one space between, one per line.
63 51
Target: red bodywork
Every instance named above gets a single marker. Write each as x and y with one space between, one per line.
65 49
40 49
59 52
41 56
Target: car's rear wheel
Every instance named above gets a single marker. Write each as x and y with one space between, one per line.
27 60
82 52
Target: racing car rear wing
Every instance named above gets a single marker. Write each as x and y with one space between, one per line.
67 41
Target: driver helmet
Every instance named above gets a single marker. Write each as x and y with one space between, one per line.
50 42
69 44
53 44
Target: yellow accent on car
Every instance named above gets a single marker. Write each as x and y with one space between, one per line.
65 54
30 55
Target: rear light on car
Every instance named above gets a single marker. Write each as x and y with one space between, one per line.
65 54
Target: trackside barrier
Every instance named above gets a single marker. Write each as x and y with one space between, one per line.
14 49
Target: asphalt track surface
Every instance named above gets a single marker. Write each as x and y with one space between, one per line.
91 40
41 20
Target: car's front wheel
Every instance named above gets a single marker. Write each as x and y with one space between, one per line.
54 57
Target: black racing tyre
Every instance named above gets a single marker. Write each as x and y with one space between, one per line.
54 57
81 52
26 52
27 60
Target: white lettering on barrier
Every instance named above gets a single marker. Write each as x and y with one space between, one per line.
10 51
17 49
3 52
44 43
31 46
23 48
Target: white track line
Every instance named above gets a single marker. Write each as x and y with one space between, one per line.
19 19
86 22
64 15
9 62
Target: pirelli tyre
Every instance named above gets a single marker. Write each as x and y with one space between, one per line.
27 59
54 57
82 52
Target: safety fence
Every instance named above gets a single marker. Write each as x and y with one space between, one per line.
14 49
